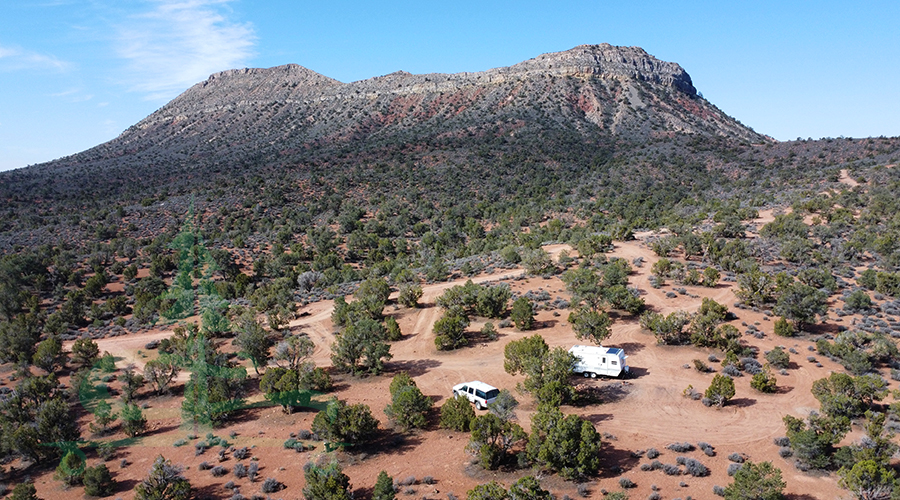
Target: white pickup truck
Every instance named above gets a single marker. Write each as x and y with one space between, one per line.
477 392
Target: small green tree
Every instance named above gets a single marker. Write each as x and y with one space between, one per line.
408 406
590 324
131 383
293 351
360 348
546 371
392 331
842 395
536 261
569 444
384 487
504 405
457 413
760 481
522 314
133 421
24 491
410 294
85 351
778 358
103 417
721 390
492 438
783 328
161 372
710 277
165 482
857 301
801 304
813 440
764 381
71 469
488 491
669 330
326 483
49 354
98 482
450 330
528 488
868 480
253 341
343 423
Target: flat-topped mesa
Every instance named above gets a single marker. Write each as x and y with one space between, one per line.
608 60
602 61
287 73
237 87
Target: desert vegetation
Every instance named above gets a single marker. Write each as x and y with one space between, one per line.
319 300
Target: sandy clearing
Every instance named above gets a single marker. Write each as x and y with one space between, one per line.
646 411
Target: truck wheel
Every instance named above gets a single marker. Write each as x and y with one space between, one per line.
478 405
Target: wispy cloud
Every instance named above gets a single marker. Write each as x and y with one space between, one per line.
16 58
180 42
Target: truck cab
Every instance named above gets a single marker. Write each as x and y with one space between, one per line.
477 392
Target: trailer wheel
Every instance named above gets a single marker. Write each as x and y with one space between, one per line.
593 375
587 374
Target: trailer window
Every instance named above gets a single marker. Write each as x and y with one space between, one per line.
614 363
604 360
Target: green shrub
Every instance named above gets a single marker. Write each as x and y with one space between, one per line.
721 390
778 358
783 328
98 481
408 406
457 414
764 381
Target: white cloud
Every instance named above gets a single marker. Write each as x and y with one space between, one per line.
179 43
15 58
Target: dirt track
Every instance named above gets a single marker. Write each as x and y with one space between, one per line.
647 411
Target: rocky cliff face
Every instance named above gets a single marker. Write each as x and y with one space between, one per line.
621 90
244 120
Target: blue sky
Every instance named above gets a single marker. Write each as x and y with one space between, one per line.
76 73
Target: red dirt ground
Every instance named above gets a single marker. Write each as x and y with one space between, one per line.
646 411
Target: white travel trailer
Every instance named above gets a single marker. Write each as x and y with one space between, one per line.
594 361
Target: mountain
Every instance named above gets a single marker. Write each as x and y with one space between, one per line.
595 124
278 115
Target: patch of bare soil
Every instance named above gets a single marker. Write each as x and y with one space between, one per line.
635 414
846 179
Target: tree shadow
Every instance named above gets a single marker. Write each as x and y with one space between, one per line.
126 485
550 323
596 418
363 492
208 491
389 443
798 496
637 372
783 389
607 393
414 367
631 347
820 329
742 402
615 461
